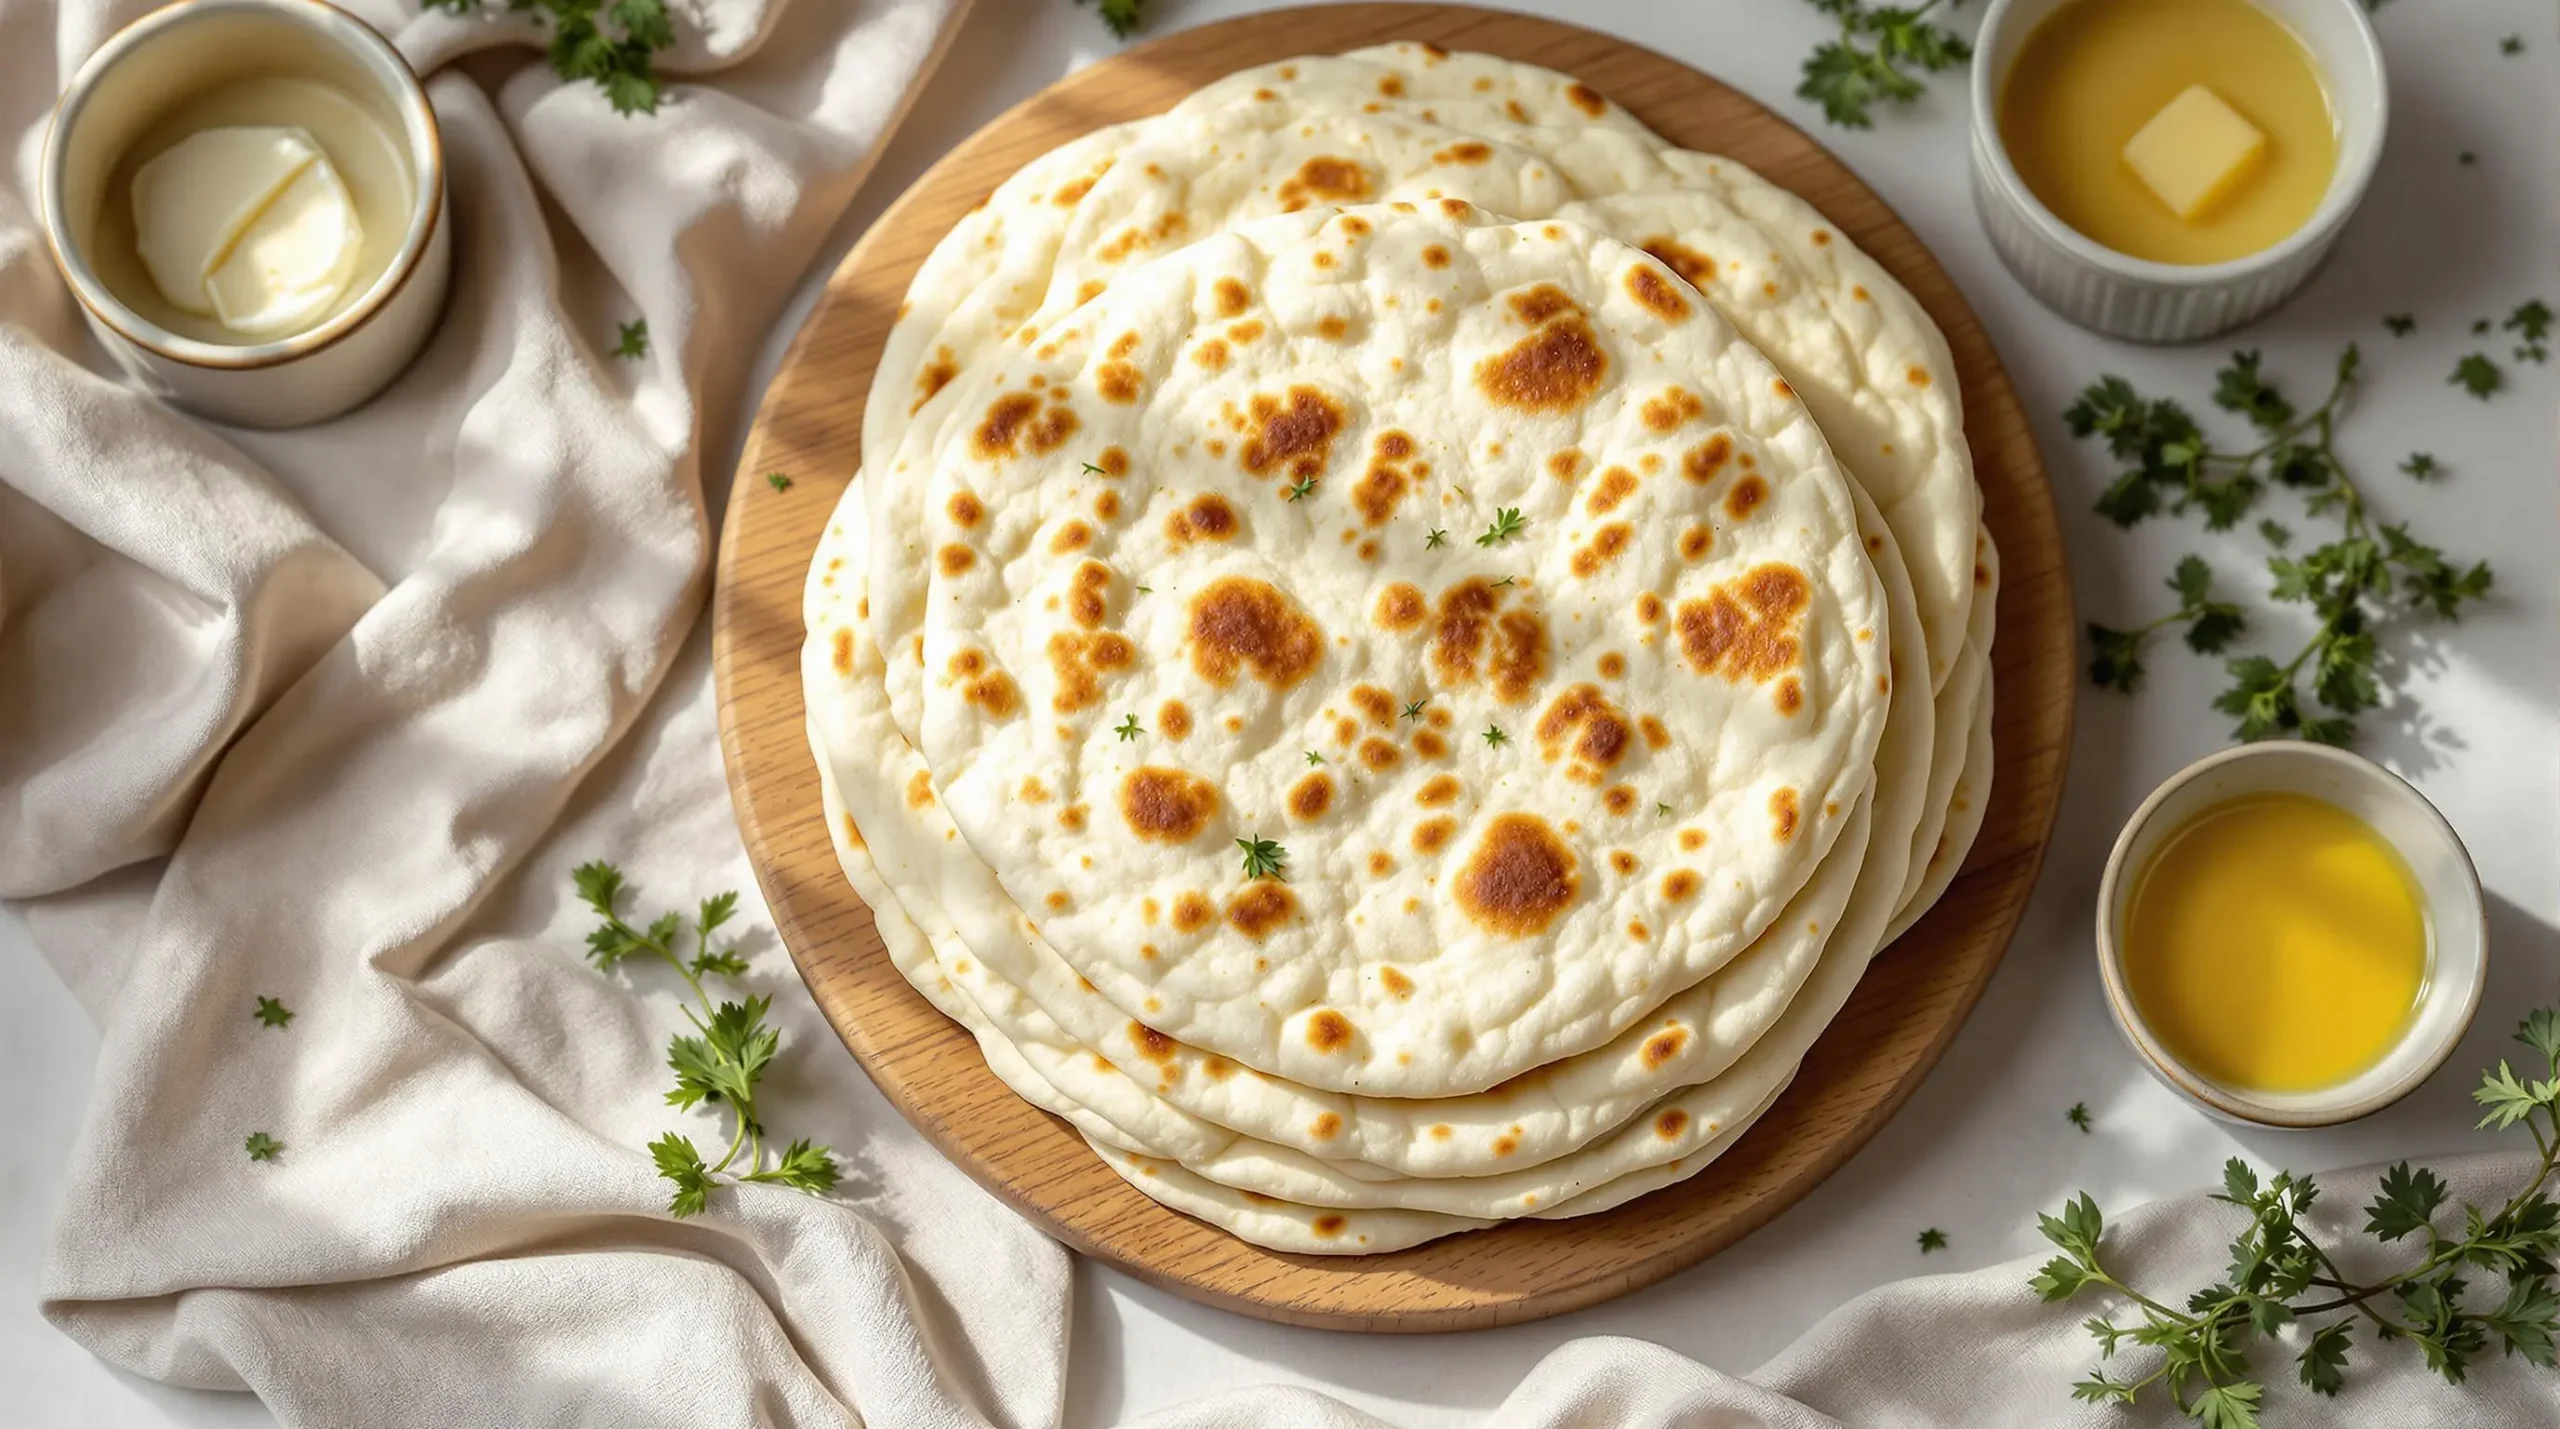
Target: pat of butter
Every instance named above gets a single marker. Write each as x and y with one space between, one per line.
2195 151
250 225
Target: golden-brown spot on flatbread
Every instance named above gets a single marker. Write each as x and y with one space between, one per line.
1747 628
1613 665
1783 815
1208 517
1033 791
1607 544
1695 268
1505 1145
1435 256
1701 463
1329 1226
1239 623
1295 437
1432 835
1655 735
1557 368
1088 290
1919 376
993 693
1322 259
1396 983
1400 607
1073 536
1693 840
1384 484
1114 462
1015 421
920 790
1671 409
1328 1031
1656 292
1324 180
1583 722
1790 695
1441 1131
1058 902
1379 755
1331 328
1151 1044
1680 884
1566 465
1779 386
1664 1045
1745 498
1586 99
1079 662
1637 930
1106 505
1619 799
1696 542
1231 295
1173 719
1429 745
1088 598
1250 330
1470 152
1261 908
1211 354
1648 607
933 377
1192 912
1438 790
1311 796
1167 806
1624 862
1670 1124
844 651
1475 634
1520 877
1071 818
1376 703
1119 382
1381 864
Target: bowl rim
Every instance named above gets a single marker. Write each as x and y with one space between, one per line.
2345 195
424 143
2223 1100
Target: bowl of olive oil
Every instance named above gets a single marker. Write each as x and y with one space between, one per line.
2290 935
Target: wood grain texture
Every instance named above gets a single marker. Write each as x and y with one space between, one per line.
1903 1014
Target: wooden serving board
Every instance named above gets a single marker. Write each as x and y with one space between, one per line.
1913 997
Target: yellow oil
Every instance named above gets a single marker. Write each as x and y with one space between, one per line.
2095 71
2276 944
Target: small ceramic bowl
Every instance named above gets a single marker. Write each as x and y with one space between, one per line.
173 56
2123 296
2457 945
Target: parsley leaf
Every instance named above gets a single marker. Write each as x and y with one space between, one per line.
1932 1239
1879 55
777 481
1127 729
2531 323
2477 375
2078 1116
1302 488
272 1012
613 44
633 339
1264 858
1314 758
2511 45
1507 523
262 1147
1494 736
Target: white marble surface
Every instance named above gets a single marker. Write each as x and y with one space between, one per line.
1983 1144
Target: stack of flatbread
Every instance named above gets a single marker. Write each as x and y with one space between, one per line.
1400 643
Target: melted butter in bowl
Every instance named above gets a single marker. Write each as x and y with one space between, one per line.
2276 943
2290 935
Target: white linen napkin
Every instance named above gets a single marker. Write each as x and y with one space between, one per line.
329 715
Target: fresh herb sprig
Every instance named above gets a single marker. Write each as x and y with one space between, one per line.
1880 54
2449 1306
1265 858
723 1063
2370 572
613 43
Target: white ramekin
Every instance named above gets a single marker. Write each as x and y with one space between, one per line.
2457 928
134 78
2123 296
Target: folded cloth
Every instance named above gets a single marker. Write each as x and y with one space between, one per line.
328 716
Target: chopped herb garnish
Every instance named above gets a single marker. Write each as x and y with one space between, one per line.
1435 540
1507 523
1867 62
2115 661
1120 17
1413 708
2511 45
1127 729
1314 758
777 481
1303 488
633 340
2421 466
1932 1239
2531 323
2466 158
2477 375
1144 589
724 1064
272 1012
2275 533
1494 736
2079 1115
1092 470
582 49
1264 858
1662 810
1506 580
2401 324
2479 327
262 1147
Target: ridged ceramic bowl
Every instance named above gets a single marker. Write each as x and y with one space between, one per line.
2124 296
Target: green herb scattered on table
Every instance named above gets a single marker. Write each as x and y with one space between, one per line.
2477 375
2370 572
724 1062
613 44
2275 533
777 481
632 340
272 1013
2490 1284
262 1147
2466 158
1932 1239
2531 323
1265 858
2401 324
1880 54
2511 45
2079 1116
2420 466
1120 17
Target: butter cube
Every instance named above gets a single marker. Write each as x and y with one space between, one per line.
2195 151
